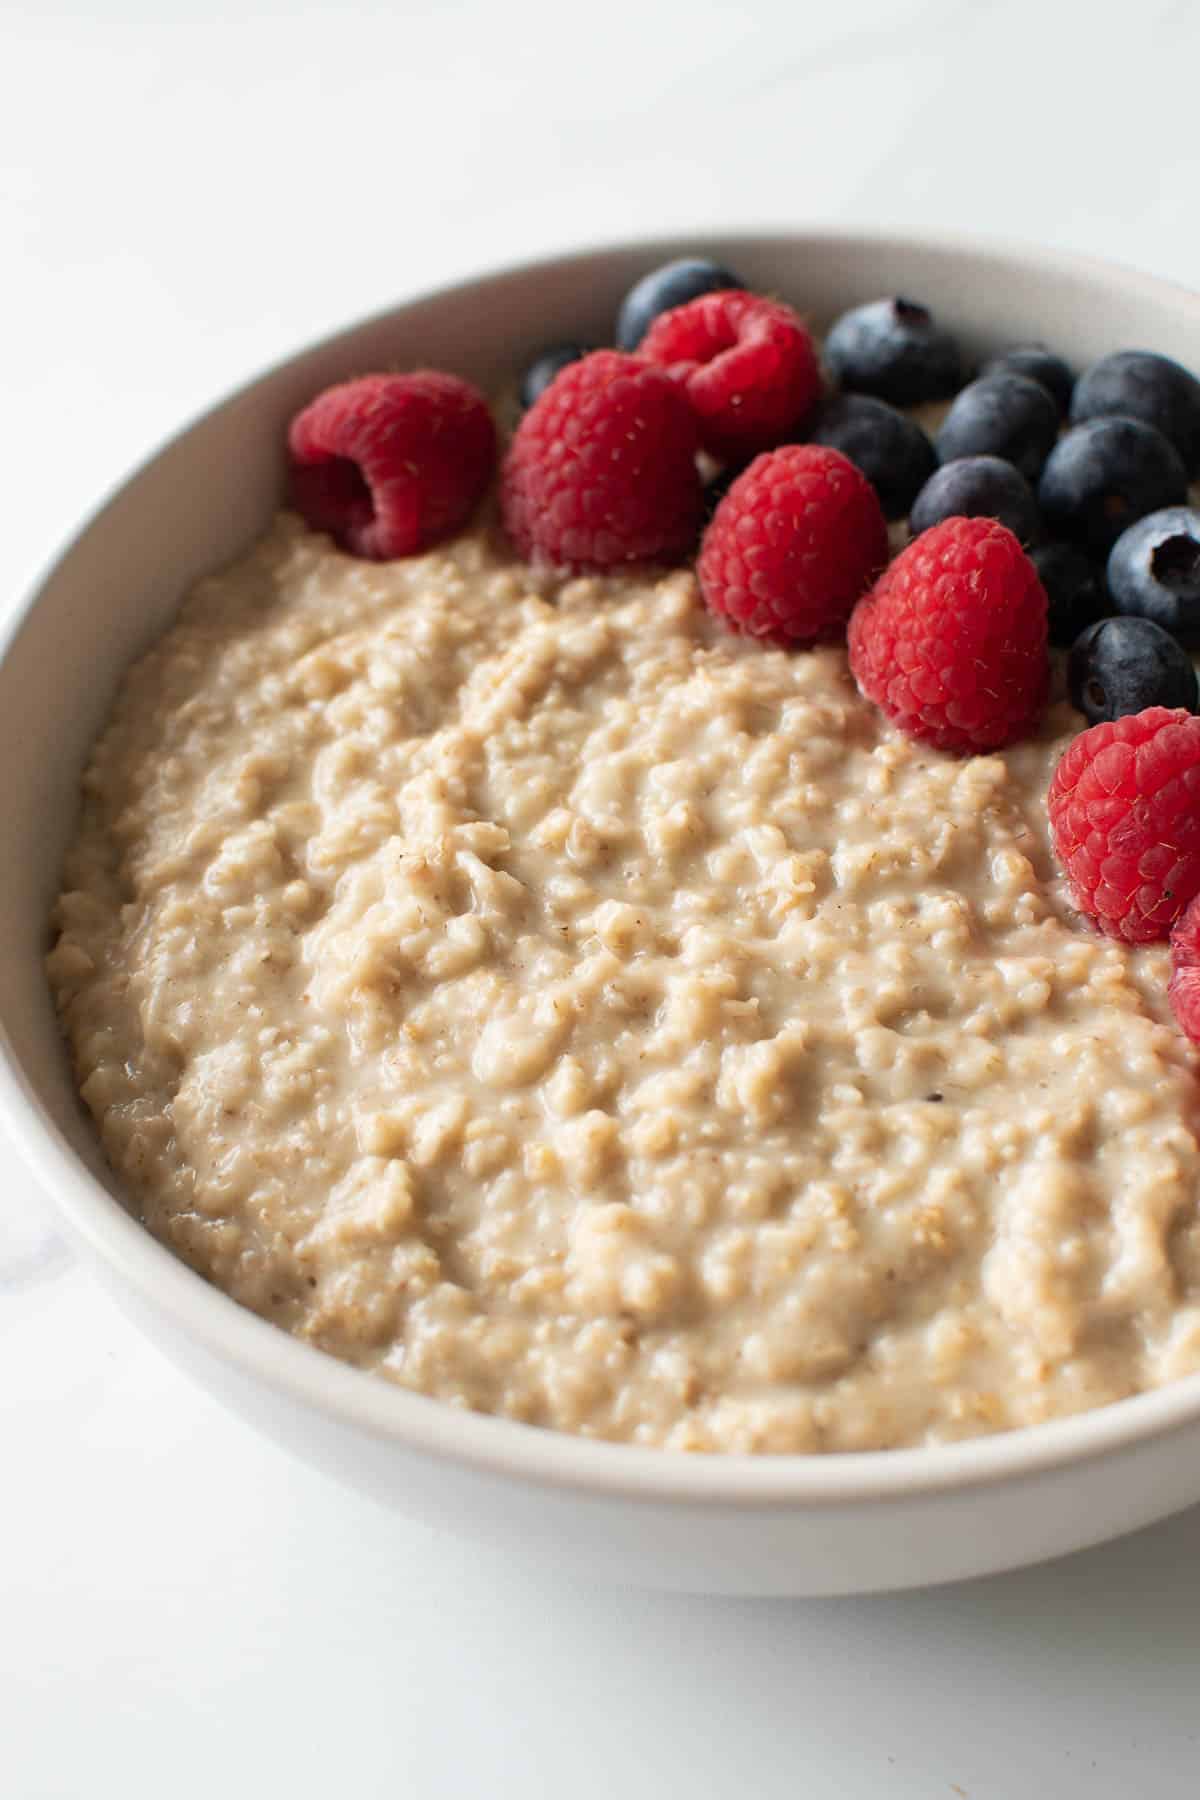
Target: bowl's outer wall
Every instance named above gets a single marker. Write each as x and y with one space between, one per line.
831 1547
202 500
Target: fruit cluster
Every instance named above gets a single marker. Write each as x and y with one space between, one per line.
1043 510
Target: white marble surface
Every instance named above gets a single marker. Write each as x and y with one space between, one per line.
187 191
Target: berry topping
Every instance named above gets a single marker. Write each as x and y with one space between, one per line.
1154 571
747 365
1183 989
674 284
1039 364
390 464
891 450
1105 474
1124 806
1002 415
1141 385
1074 588
796 540
716 489
602 468
951 640
538 374
978 487
1120 666
893 348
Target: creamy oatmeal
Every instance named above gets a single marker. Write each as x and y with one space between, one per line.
532 994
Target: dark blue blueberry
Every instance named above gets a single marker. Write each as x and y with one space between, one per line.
673 284
978 487
1141 385
893 452
1001 415
1039 364
1105 474
1154 571
894 350
544 367
1074 589
1120 666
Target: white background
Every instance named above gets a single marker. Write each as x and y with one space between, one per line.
186 193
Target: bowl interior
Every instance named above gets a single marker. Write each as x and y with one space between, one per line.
211 490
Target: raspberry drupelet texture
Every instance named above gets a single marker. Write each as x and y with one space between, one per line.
390 464
602 469
1124 806
1183 989
747 365
796 540
951 640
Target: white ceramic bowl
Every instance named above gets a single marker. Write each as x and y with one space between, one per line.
736 1524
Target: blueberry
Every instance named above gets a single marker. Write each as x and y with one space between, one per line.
893 452
978 487
1039 364
1074 588
1001 415
1104 474
1144 386
1154 571
893 349
544 367
671 285
1120 666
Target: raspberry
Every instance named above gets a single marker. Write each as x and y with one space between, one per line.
793 544
747 365
389 464
1183 989
1124 808
951 641
602 468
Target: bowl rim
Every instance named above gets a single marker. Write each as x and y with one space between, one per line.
489 1445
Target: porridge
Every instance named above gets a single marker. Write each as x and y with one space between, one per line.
537 995
527 988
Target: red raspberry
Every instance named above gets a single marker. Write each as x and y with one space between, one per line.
602 468
1183 989
951 640
1124 808
389 464
747 365
792 545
